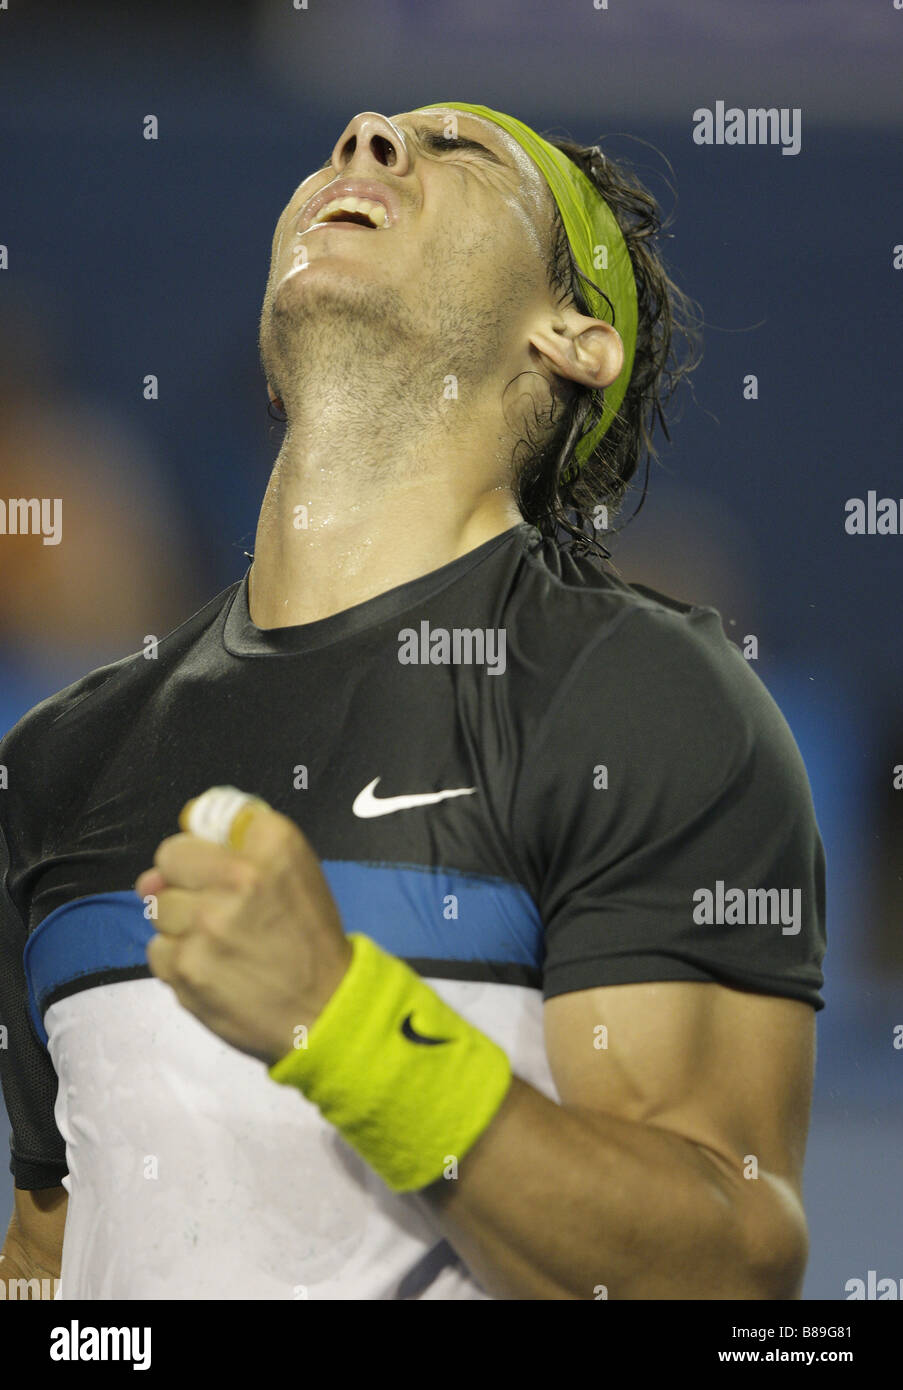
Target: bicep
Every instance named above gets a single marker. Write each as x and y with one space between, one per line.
729 1070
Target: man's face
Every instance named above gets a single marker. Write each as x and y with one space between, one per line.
462 252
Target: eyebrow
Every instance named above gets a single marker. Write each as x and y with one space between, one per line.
432 138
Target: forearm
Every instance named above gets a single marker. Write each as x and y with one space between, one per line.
552 1203
21 1278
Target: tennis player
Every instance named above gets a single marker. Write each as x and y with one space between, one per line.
434 915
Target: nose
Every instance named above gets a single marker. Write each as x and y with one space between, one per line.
371 140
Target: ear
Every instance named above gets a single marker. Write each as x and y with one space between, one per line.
586 350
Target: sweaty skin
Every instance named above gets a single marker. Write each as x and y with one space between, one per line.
640 1180
637 1184
392 351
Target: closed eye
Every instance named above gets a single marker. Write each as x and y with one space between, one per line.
438 143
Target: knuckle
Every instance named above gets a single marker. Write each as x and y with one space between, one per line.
245 876
156 958
208 920
164 851
193 966
287 848
285 834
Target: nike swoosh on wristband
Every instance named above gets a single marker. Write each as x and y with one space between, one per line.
366 804
409 1032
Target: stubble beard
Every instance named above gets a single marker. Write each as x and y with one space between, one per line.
356 364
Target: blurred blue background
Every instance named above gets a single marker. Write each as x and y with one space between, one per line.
128 257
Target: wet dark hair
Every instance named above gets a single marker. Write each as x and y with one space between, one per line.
665 315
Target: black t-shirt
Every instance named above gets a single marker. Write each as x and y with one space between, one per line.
628 796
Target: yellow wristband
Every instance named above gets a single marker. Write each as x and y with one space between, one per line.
407 1082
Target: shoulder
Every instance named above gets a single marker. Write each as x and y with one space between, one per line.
589 605
61 737
31 747
607 654
660 768
643 701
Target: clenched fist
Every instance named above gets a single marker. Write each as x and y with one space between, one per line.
250 939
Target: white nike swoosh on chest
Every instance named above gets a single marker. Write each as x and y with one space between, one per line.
366 804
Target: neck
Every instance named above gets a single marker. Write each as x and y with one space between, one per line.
386 473
337 527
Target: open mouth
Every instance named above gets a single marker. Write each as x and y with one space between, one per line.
356 212
356 219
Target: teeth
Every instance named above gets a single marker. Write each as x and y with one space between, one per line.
375 211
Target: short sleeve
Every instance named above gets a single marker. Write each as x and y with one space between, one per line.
678 837
27 1075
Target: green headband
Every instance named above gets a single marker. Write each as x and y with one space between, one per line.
591 229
